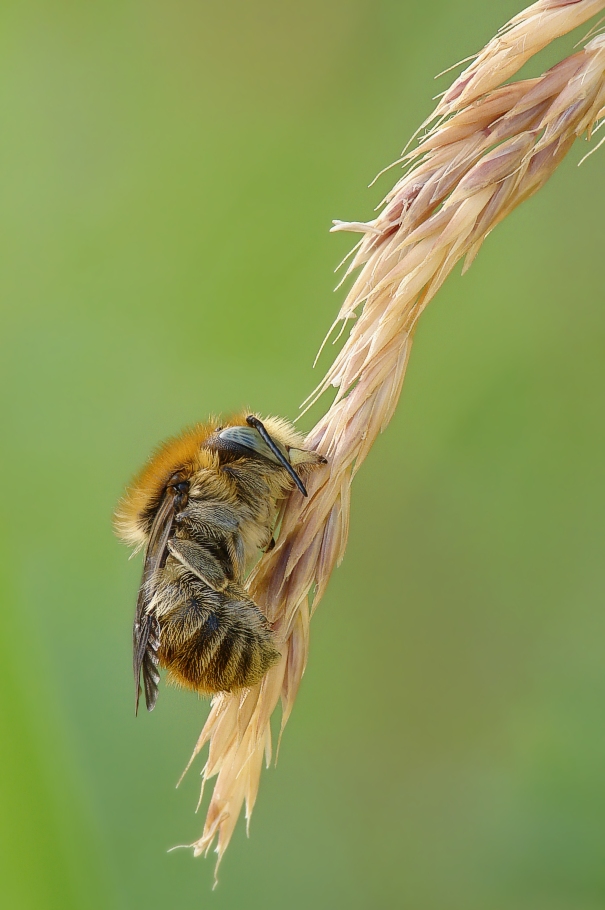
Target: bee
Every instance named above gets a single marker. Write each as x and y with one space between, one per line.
202 508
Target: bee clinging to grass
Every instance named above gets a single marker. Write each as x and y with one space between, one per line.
202 507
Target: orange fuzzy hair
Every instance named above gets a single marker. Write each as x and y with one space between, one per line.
184 452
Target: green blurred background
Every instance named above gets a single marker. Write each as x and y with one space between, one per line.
169 170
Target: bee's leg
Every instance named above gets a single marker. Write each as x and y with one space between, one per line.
237 554
206 517
216 573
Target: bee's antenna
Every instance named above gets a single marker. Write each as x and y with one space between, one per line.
253 421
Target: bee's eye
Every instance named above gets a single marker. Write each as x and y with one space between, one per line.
177 483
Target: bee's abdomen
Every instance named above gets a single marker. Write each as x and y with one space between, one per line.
214 641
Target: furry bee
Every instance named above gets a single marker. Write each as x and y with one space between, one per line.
203 506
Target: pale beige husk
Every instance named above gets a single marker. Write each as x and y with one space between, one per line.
490 148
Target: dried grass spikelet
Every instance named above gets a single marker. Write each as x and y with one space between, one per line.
490 148
516 42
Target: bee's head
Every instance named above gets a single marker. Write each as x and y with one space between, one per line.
252 439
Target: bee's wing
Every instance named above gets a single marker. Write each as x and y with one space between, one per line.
146 641
146 629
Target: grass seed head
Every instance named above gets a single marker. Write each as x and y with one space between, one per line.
491 146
